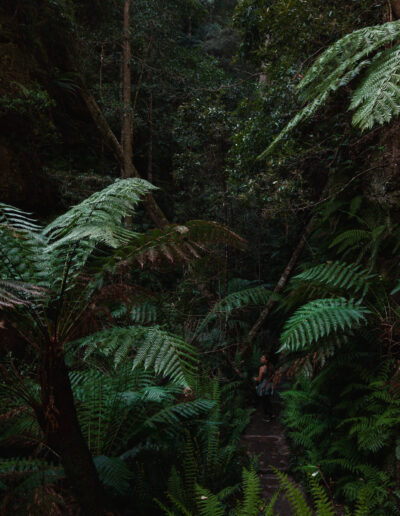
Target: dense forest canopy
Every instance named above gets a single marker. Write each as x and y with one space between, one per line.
188 186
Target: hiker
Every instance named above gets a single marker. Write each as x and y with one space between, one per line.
265 388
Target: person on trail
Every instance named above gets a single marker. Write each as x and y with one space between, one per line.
265 387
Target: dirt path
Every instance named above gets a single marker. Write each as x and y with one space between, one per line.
267 440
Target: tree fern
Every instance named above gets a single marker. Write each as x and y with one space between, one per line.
169 355
376 100
250 296
320 318
113 472
337 275
177 243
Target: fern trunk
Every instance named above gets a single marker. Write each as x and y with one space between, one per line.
59 422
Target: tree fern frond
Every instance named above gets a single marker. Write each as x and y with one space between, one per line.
172 415
17 293
351 238
249 296
105 209
144 313
113 472
339 65
319 319
116 342
377 99
178 243
338 275
168 355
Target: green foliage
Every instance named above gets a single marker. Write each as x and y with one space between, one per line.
113 472
337 275
376 99
321 318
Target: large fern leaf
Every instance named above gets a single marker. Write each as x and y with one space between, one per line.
168 355
377 99
340 64
320 318
336 275
250 296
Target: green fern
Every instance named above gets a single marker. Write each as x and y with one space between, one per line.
208 503
168 355
376 100
252 501
320 318
113 472
249 296
337 275
295 497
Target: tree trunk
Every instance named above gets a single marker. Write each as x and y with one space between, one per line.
396 8
58 420
126 133
150 149
152 208
280 285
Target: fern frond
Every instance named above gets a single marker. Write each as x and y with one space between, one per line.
339 65
168 355
178 243
17 293
337 275
113 472
172 416
102 210
208 503
319 319
251 491
294 495
377 99
250 296
321 500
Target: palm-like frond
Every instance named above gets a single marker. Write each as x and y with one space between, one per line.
168 355
320 318
250 296
377 98
17 293
336 275
113 472
178 243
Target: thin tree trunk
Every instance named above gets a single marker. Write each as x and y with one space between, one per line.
396 8
58 420
280 285
150 149
152 208
126 134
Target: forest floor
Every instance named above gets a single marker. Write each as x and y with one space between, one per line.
268 442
